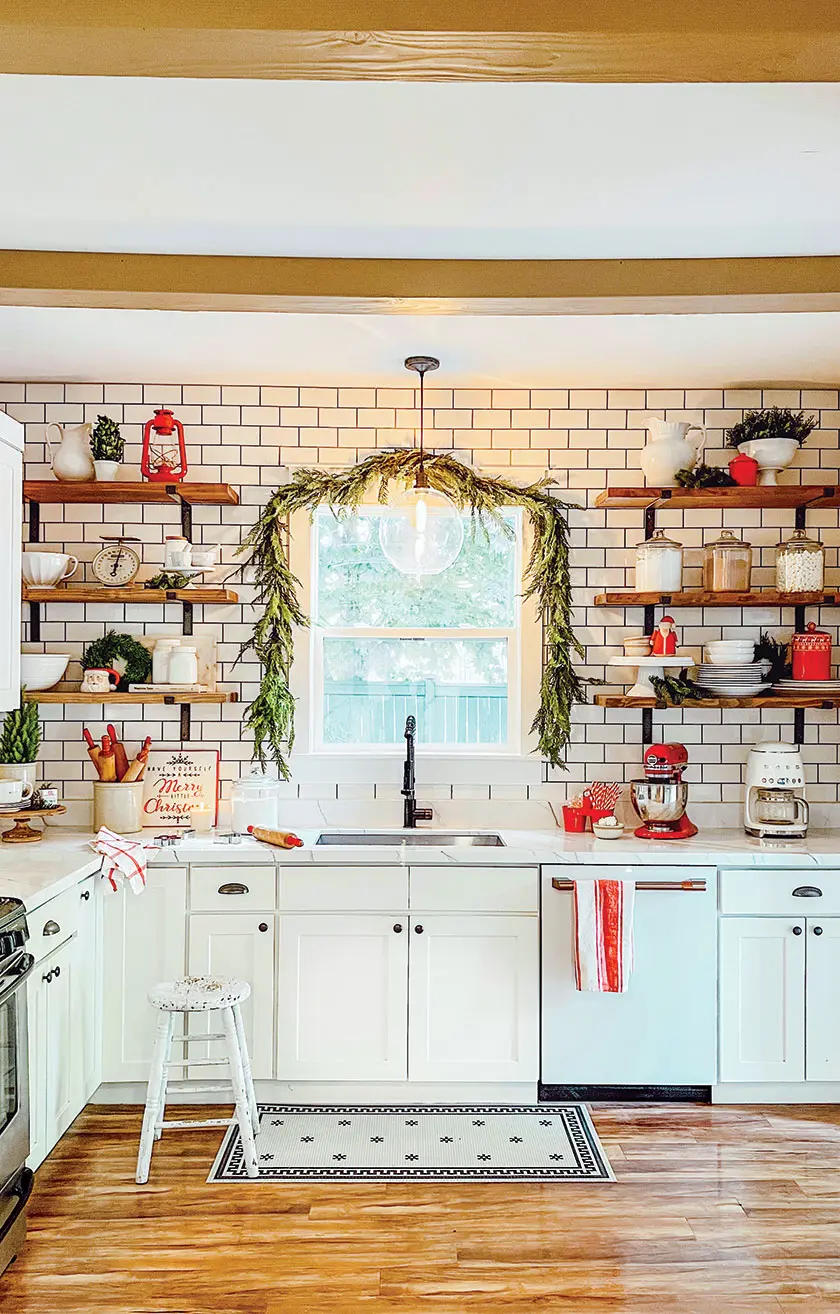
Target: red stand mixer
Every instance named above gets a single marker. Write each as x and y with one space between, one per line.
660 798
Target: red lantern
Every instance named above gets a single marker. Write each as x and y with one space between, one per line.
164 458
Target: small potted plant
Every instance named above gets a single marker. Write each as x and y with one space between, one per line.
107 447
772 437
20 740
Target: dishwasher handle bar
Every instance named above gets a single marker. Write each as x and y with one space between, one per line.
696 887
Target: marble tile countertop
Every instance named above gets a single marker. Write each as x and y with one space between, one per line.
35 873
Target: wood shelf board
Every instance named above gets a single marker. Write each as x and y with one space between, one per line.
762 700
782 496
173 699
194 494
702 598
101 593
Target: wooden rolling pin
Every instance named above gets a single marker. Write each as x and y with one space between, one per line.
281 839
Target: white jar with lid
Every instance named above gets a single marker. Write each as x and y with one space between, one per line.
163 650
177 552
659 564
255 801
183 664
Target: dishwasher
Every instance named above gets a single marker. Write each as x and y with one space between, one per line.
660 1036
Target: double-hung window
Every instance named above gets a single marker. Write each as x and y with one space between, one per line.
446 648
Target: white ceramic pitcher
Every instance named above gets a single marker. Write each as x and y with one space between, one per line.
71 461
670 449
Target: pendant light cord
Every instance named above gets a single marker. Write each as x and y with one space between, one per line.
422 384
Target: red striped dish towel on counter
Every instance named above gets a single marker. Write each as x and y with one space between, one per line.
603 934
122 859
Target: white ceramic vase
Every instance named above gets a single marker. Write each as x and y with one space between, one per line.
772 454
71 459
669 449
106 471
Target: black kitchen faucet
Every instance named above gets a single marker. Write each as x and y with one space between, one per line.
411 813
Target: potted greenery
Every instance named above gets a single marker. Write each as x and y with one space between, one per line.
20 740
772 437
107 447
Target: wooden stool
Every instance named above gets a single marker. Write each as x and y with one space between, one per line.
200 994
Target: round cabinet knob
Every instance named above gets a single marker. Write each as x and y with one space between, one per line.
818 930
797 930
418 930
85 895
263 926
57 971
398 927
47 976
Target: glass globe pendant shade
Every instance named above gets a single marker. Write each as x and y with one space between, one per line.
421 532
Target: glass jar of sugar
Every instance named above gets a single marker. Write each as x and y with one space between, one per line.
727 564
659 564
800 564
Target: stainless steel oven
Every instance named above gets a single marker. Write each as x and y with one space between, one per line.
15 1178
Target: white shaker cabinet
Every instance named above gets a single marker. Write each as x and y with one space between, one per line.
343 997
473 998
144 942
11 495
822 990
55 1075
762 999
240 945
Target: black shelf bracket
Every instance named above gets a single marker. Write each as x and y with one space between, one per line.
187 626
186 520
34 522
647 725
799 517
35 622
799 725
185 721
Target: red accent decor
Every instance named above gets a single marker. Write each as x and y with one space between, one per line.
811 654
164 458
744 470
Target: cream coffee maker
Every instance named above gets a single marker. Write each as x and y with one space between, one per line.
774 803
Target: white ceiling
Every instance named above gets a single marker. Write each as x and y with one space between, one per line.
620 350
419 169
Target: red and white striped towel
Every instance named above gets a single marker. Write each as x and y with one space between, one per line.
604 934
122 859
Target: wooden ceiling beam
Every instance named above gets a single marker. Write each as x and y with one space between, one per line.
444 40
377 286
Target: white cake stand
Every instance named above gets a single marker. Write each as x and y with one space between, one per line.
645 667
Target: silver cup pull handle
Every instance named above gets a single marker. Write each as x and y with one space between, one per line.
234 887
51 928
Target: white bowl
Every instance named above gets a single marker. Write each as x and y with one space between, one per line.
607 832
46 569
41 670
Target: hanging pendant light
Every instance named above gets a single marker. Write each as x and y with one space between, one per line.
421 532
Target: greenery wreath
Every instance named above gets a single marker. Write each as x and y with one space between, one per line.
271 716
135 661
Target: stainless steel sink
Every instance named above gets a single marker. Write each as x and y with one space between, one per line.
430 839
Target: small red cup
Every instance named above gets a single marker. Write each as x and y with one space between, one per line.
574 819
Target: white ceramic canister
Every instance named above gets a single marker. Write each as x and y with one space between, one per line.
161 654
183 664
177 552
255 801
118 805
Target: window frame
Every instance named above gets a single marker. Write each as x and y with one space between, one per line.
524 666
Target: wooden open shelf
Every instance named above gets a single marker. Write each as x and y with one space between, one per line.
762 700
702 598
134 593
782 496
53 491
170 699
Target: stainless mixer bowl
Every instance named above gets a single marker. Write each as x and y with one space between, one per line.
659 800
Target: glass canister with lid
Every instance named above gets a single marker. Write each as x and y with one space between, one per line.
659 564
727 564
800 564
255 801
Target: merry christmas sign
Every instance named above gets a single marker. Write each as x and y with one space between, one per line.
179 783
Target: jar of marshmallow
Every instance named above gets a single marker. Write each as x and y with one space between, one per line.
800 564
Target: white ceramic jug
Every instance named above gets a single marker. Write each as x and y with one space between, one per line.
71 461
670 449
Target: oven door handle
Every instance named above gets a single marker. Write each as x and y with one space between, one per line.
11 981
22 1189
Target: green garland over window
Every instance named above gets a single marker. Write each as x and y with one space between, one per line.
271 716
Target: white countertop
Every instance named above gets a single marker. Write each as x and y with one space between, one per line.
36 873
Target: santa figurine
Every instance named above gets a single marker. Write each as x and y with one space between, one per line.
663 641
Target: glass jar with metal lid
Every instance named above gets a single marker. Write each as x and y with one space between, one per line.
659 564
727 564
800 564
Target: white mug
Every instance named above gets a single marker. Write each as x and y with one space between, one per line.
46 569
12 791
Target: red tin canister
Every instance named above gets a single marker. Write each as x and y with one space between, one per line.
811 654
744 470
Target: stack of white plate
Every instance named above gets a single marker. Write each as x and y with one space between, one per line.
808 686
737 680
730 652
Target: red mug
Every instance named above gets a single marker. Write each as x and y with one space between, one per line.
574 819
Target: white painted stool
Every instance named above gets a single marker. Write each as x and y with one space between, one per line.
200 994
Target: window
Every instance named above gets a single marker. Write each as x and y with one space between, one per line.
444 648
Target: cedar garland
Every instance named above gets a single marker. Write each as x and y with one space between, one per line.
271 716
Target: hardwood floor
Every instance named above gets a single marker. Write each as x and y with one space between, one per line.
716 1211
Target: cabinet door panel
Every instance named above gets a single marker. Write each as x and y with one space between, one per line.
235 946
89 968
36 1004
62 1036
762 999
144 942
343 998
473 999
822 1044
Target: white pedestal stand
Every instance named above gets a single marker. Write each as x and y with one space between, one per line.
645 667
